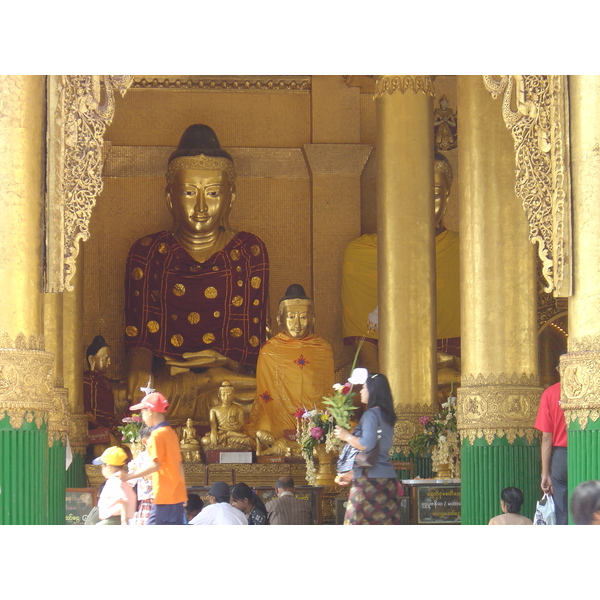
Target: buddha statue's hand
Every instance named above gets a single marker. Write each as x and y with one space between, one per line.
203 358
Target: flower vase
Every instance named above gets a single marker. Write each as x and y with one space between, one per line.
442 469
326 469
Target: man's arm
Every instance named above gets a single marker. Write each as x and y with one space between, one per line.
151 468
547 440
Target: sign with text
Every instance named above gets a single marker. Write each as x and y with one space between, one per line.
78 505
438 504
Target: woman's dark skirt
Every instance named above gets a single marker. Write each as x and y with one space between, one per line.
373 502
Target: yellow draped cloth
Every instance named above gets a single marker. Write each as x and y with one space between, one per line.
290 374
359 285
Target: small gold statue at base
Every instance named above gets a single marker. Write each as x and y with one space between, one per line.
226 423
189 444
275 447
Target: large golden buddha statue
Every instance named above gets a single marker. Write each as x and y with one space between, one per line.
295 368
196 296
359 288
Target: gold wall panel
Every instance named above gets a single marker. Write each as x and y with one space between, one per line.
255 118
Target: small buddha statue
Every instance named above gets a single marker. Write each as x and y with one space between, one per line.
295 368
196 295
276 447
226 423
189 444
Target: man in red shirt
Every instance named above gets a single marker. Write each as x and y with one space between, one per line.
551 422
166 467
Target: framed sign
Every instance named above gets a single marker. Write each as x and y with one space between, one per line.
78 504
438 504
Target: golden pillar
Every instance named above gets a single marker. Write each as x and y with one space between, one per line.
26 379
580 389
406 246
499 393
335 171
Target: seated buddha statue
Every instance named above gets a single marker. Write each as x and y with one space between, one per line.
189 444
98 398
295 368
226 423
196 295
359 287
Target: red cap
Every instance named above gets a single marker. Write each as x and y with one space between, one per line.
154 401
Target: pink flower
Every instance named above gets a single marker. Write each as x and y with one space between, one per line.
347 387
424 421
316 432
299 413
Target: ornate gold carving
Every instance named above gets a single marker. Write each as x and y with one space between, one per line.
26 382
231 83
59 422
78 433
403 84
498 406
580 382
79 109
201 162
407 424
539 126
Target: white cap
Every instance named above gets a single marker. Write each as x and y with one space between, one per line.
359 376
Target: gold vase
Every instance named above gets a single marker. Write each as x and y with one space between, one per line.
444 470
326 469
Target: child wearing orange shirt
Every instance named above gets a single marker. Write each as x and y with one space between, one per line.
165 463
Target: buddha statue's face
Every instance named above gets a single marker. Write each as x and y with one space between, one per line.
226 395
297 319
440 195
101 360
199 200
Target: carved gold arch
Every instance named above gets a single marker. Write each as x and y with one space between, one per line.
79 108
536 108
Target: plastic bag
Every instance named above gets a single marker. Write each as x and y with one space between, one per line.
545 513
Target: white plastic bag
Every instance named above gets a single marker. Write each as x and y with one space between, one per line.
544 511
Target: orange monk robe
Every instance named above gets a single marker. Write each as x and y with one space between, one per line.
290 374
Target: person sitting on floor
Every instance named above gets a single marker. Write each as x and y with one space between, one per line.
511 500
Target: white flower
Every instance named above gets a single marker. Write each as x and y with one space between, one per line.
337 386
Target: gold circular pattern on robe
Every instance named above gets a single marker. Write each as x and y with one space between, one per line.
217 314
235 254
146 241
174 317
137 274
193 318
255 250
255 320
238 269
208 338
253 341
162 248
215 268
131 331
255 282
256 302
240 283
195 268
236 332
177 340
237 301
179 289
152 326
210 292
136 293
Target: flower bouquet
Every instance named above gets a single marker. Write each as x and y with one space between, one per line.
440 437
130 432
